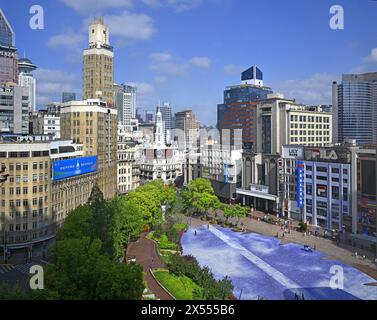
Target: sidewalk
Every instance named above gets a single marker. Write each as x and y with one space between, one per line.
145 252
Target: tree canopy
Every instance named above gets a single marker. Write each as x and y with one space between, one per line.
200 196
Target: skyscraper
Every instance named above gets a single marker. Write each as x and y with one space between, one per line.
167 119
125 103
186 121
94 125
355 108
8 52
98 77
239 107
14 109
26 79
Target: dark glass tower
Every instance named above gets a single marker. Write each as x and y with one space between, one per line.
8 52
238 112
355 108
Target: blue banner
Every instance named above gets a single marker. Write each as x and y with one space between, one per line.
226 173
63 169
300 184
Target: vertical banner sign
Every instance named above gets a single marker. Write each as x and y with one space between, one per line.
226 173
300 184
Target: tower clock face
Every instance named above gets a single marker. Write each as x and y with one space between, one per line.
159 153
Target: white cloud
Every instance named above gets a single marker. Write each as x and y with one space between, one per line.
372 58
232 69
160 79
170 68
144 94
85 6
201 62
131 25
68 40
317 89
51 83
142 87
161 56
72 42
177 5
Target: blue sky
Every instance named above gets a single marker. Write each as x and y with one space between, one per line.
188 51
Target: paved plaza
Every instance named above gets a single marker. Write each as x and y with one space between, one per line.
263 266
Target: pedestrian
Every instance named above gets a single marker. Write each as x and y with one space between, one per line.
303 297
195 233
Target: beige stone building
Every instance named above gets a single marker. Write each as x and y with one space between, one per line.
28 202
98 68
186 122
94 125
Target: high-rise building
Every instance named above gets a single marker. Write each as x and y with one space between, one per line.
139 116
283 121
8 52
186 122
364 195
26 79
14 109
167 119
237 113
68 96
355 108
98 77
317 185
148 117
41 189
94 125
128 172
125 103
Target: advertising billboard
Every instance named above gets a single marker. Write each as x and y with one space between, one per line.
63 169
300 184
226 173
293 152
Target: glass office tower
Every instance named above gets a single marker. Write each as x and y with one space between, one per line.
355 107
238 110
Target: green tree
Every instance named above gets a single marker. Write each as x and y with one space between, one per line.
149 206
127 223
101 217
200 196
80 270
9 292
77 224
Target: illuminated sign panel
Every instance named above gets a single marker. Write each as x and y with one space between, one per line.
300 184
63 169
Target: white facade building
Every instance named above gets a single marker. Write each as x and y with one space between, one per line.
128 171
125 103
282 121
26 79
159 161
